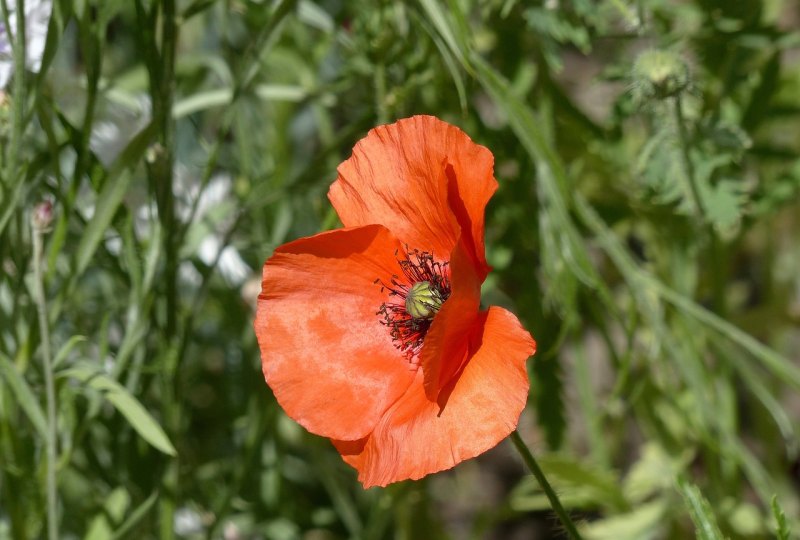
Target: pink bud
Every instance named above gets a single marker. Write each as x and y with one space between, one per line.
42 215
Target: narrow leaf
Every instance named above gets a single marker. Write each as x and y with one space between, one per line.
700 512
438 19
549 395
114 189
579 485
136 516
643 523
66 349
24 395
782 530
133 411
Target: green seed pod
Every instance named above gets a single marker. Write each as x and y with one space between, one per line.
659 75
422 301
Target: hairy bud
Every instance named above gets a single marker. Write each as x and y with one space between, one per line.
659 75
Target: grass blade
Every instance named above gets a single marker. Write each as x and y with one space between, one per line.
24 395
133 411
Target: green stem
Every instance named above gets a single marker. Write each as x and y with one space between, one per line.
12 182
18 98
555 503
687 159
163 180
716 253
47 364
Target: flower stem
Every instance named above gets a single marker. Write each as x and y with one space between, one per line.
50 390
555 503
716 254
688 165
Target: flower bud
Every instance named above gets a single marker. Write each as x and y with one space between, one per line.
659 75
42 216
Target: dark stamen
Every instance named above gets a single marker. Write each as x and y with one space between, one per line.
406 331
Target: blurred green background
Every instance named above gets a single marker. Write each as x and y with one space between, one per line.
645 231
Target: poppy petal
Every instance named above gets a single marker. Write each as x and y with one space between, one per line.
470 185
446 344
398 177
416 437
326 356
350 450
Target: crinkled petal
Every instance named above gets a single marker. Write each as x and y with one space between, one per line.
416 437
470 185
423 179
446 346
325 354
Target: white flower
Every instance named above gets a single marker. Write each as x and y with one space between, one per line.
37 17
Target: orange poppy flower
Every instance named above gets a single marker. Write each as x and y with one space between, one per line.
372 335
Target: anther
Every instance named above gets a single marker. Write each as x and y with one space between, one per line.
421 291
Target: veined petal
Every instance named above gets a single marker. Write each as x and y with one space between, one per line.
470 185
326 356
424 180
446 348
416 437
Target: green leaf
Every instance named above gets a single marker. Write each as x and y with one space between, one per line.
549 395
700 512
136 516
653 473
755 383
315 16
106 206
438 18
222 97
452 67
779 365
577 483
133 411
114 508
639 280
554 186
198 6
762 95
724 206
644 523
66 349
659 168
782 530
24 395
114 189
553 24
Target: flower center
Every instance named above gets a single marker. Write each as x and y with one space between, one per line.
420 293
423 300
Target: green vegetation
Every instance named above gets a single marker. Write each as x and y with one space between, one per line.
155 152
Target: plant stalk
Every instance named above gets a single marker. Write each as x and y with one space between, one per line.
555 503
716 253
687 159
50 390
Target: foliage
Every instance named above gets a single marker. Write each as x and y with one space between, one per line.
644 231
